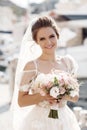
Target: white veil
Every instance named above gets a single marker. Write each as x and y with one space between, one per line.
29 51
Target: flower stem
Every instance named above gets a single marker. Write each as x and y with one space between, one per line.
53 114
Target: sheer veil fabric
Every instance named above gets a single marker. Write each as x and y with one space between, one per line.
29 51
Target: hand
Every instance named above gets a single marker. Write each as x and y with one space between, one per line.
66 97
50 99
69 98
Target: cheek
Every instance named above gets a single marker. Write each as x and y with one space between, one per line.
55 41
37 42
41 45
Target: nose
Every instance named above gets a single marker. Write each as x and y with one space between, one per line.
48 41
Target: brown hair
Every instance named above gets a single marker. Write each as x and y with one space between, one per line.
43 22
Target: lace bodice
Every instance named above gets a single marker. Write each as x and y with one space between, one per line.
26 78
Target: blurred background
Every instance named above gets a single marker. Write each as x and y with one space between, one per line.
71 18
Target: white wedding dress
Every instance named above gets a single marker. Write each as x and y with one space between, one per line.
35 117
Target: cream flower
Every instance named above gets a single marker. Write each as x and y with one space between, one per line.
54 91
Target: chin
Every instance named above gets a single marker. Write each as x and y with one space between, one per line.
49 52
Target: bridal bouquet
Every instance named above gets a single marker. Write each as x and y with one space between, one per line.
56 85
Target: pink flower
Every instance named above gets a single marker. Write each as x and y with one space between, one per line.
49 84
62 90
61 81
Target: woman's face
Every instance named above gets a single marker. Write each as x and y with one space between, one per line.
47 39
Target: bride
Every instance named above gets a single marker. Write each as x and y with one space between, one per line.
38 56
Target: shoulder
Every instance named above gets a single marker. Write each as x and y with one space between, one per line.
65 58
68 59
30 66
70 62
29 73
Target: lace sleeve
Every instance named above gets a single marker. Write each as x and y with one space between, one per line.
26 80
71 64
72 68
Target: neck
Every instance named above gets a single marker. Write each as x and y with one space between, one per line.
48 57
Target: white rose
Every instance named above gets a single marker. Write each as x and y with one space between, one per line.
54 91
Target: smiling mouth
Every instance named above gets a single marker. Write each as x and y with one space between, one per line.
49 47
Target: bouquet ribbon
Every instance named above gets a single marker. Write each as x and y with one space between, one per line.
53 113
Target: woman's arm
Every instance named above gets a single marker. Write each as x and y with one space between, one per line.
25 99
69 98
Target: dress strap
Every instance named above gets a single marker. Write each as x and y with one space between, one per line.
36 66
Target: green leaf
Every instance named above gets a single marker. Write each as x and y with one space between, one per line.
56 81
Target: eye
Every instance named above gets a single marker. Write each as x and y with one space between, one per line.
52 36
42 38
